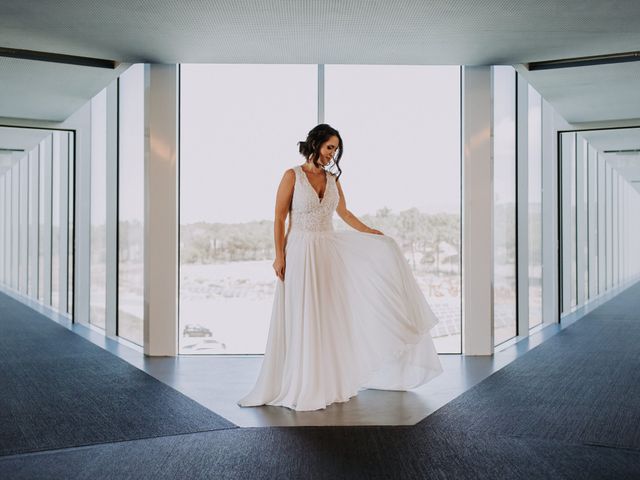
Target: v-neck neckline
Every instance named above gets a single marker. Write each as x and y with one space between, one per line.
326 185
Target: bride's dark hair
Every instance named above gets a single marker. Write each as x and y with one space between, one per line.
319 134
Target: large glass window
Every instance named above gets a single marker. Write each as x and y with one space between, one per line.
582 220
15 224
239 128
602 225
34 167
97 294
620 229
131 204
56 158
7 225
24 224
401 128
70 204
9 258
3 227
609 223
573 222
614 226
596 228
43 224
568 216
535 206
30 206
504 214
592 174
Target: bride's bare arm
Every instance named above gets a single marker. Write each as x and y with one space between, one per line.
349 218
283 204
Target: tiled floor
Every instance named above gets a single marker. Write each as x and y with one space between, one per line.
217 382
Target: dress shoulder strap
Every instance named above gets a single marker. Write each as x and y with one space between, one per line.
298 171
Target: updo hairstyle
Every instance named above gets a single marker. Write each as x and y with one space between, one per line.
310 148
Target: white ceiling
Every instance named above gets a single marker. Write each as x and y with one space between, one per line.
616 139
591 94
48 91
627 164
467 32
7 160
329 31
17 139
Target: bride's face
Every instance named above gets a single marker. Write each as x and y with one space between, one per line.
328 150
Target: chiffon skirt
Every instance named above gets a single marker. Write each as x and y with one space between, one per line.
349 315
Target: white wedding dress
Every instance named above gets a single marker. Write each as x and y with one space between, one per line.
349 314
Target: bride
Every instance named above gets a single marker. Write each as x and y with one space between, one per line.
348 313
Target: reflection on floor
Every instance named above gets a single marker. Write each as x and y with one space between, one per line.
217 382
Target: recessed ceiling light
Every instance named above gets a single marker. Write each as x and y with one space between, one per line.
627 151
585 61
57 58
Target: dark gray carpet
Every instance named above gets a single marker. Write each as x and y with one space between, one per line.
330 453
59 390
568 409
580 386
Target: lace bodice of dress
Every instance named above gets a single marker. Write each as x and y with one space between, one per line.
308 212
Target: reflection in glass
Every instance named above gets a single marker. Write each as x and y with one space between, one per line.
239 128
402 171
504 213
131 204
97 294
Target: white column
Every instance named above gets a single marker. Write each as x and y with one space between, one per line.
477 214
82 212
161 211
550 285
567 160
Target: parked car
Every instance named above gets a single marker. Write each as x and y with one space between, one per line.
196 331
